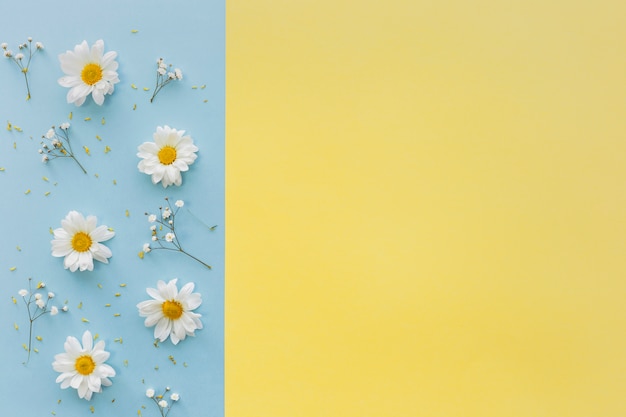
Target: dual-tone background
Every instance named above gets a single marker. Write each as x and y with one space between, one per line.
425 208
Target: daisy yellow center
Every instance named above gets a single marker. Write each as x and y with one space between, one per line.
167 155
91 73
81 242
84 365
172 309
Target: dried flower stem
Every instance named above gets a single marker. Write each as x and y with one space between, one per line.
33 314
169 222
61 147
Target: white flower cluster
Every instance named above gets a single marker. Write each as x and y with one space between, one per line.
164 76
159 400
37 302
163 231
23 60
56 144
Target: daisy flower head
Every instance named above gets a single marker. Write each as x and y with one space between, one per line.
88 71
170 154
171 311
83 367
78 241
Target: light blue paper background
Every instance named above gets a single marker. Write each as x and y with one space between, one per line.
190 35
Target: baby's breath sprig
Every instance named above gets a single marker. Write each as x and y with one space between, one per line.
20 57
58 145
164 235
164 406
37 306
164 77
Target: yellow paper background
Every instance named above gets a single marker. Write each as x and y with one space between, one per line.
425 208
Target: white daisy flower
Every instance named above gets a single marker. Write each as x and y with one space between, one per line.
65 308
40 303
38 296
23 292
163 404
88 72
54 310
149 393
79 242
175 397
169 237
179 203
171 311
146 247
170 154
83 367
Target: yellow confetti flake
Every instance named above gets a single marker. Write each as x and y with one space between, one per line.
14 301
45 179
118 340
96 175
25 347
86 150
13 268
70 116
53 413
9 126
59 402
87 119
99 285
19 129
134 31
205 101
171 358
133 86
18 248
203 86
107 149
27 191
80 305
156 368
47 193
107 305
146 89
114 182
141 254
117 294
122 285
127 213
36 350
116 315
92 409
194 87
98 137
96 336
139 413
39 338
84 320
2 168
51 231
134 107
110 229
15 326
103 121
